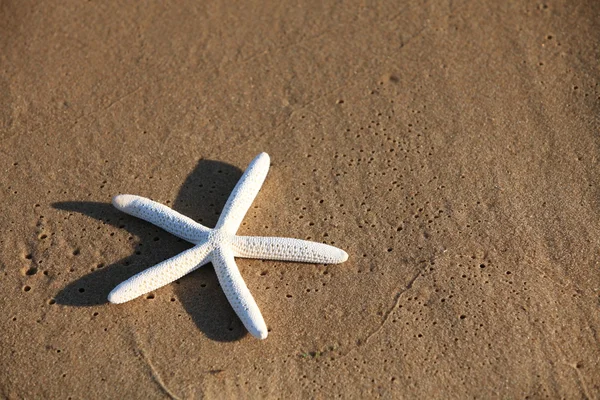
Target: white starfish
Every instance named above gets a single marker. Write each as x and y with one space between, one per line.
219 246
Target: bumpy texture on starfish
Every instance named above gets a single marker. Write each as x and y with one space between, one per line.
219 246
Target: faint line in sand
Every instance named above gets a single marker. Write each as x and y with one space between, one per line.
153 371
397 298
156 377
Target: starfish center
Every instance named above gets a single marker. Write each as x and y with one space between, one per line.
218 237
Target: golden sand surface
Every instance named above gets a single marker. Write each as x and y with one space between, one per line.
450 147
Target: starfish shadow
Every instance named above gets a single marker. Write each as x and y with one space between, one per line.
202 198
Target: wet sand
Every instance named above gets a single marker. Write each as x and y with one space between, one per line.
451 148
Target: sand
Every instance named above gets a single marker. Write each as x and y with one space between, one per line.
451 148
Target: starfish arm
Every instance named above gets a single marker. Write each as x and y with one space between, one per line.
243 194
237 292
287 249
161 274
161 216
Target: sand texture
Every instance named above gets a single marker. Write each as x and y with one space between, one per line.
450 147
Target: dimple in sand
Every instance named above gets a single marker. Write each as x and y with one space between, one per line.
219 246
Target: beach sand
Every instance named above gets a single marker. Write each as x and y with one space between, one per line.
451 148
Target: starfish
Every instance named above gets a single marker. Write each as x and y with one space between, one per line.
219 246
